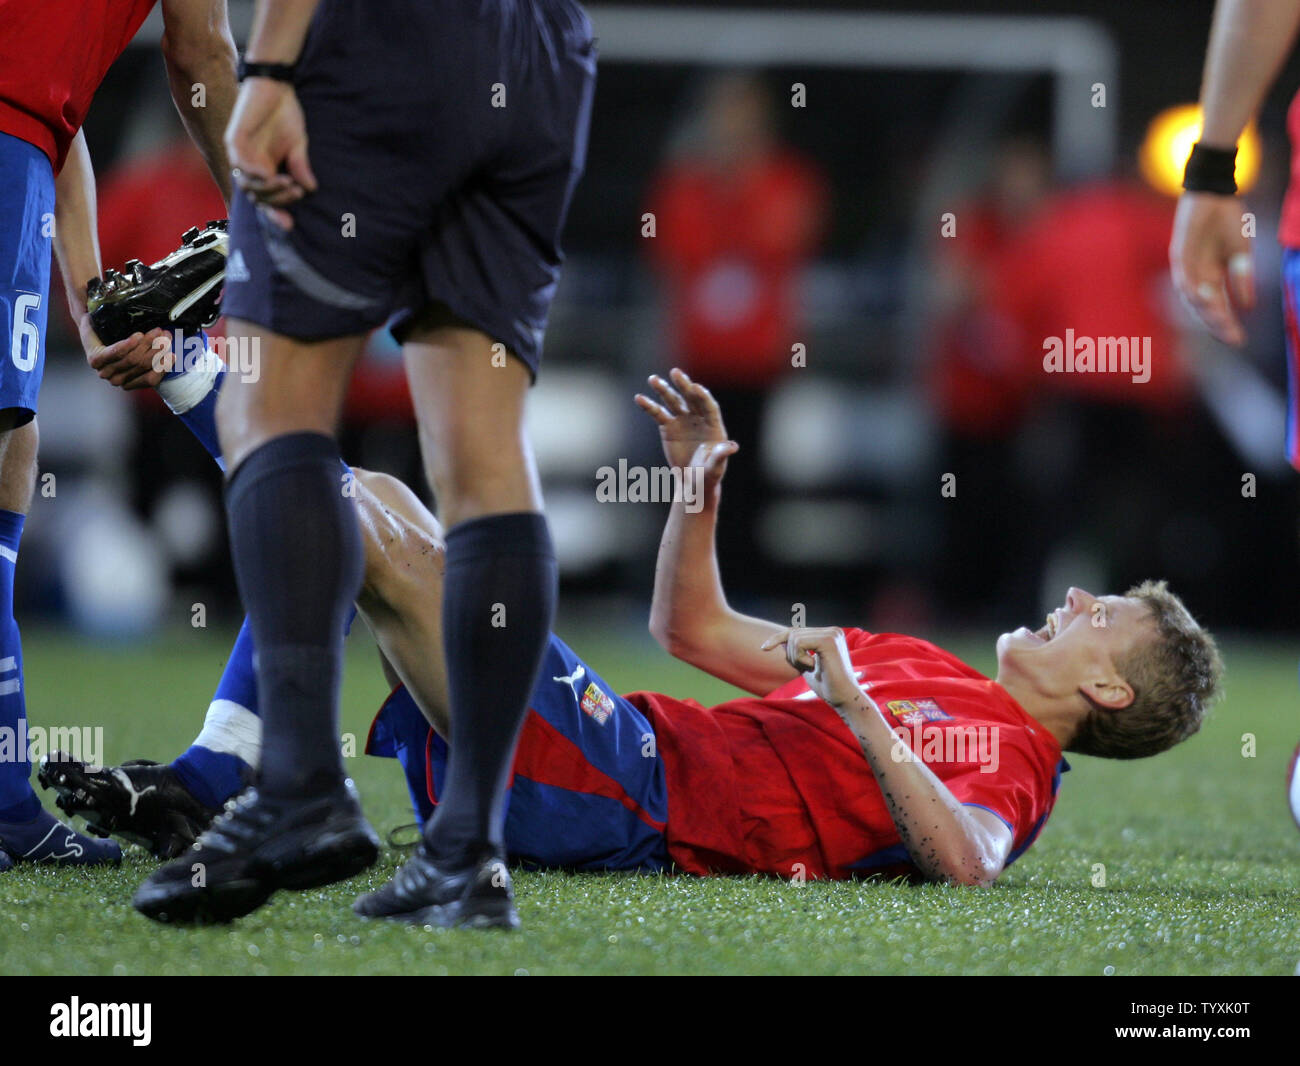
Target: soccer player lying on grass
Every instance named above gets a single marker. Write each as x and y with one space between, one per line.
856 754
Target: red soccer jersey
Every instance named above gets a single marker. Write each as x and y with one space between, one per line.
779 785
53 55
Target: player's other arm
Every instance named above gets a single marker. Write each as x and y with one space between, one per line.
76 245
200 57
945 839
76 240
1209 256
690 615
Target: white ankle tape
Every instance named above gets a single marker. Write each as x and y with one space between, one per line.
233 730
182 392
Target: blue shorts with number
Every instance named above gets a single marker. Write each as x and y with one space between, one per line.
588 790
26 228
1291 316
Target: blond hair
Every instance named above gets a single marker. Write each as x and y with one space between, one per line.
1175 677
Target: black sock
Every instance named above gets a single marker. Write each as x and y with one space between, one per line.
498 600
298 559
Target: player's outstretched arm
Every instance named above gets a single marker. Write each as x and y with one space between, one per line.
947 840
76 244
200 57
1209 254
690 615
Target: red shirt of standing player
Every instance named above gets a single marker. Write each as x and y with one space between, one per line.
45 104
1288 236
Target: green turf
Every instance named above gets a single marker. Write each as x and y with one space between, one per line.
1202 863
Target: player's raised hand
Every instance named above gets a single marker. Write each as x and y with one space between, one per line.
711 458
688 417
136 362
267 144
823 657
1210 260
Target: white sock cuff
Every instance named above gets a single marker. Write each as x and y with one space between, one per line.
232 729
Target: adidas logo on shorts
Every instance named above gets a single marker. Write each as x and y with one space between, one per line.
236 268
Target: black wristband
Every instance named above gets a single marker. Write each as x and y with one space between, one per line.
1211 170
278 71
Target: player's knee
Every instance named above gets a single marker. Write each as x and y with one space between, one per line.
403 556
380 539
19 447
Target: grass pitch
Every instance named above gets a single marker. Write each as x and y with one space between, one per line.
1185 864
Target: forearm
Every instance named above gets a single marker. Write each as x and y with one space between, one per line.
688 592
279 29
76 240
206 110
945 842
690 616
1249 41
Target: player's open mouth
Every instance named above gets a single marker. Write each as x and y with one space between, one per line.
1049 630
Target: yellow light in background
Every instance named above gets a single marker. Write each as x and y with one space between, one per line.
1169 141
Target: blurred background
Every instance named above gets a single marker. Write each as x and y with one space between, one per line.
857 223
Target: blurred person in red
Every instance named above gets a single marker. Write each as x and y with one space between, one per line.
1117 441
1094 261
977 382
738 216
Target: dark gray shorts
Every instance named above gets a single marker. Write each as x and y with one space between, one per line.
446 137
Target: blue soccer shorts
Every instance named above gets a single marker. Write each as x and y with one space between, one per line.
26 231
588 790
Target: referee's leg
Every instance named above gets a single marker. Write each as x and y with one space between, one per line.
500 578
296 546
295 543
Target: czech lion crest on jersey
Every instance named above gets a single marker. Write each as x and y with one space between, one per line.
916 712
596 704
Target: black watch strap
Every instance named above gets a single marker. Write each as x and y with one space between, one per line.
278 71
